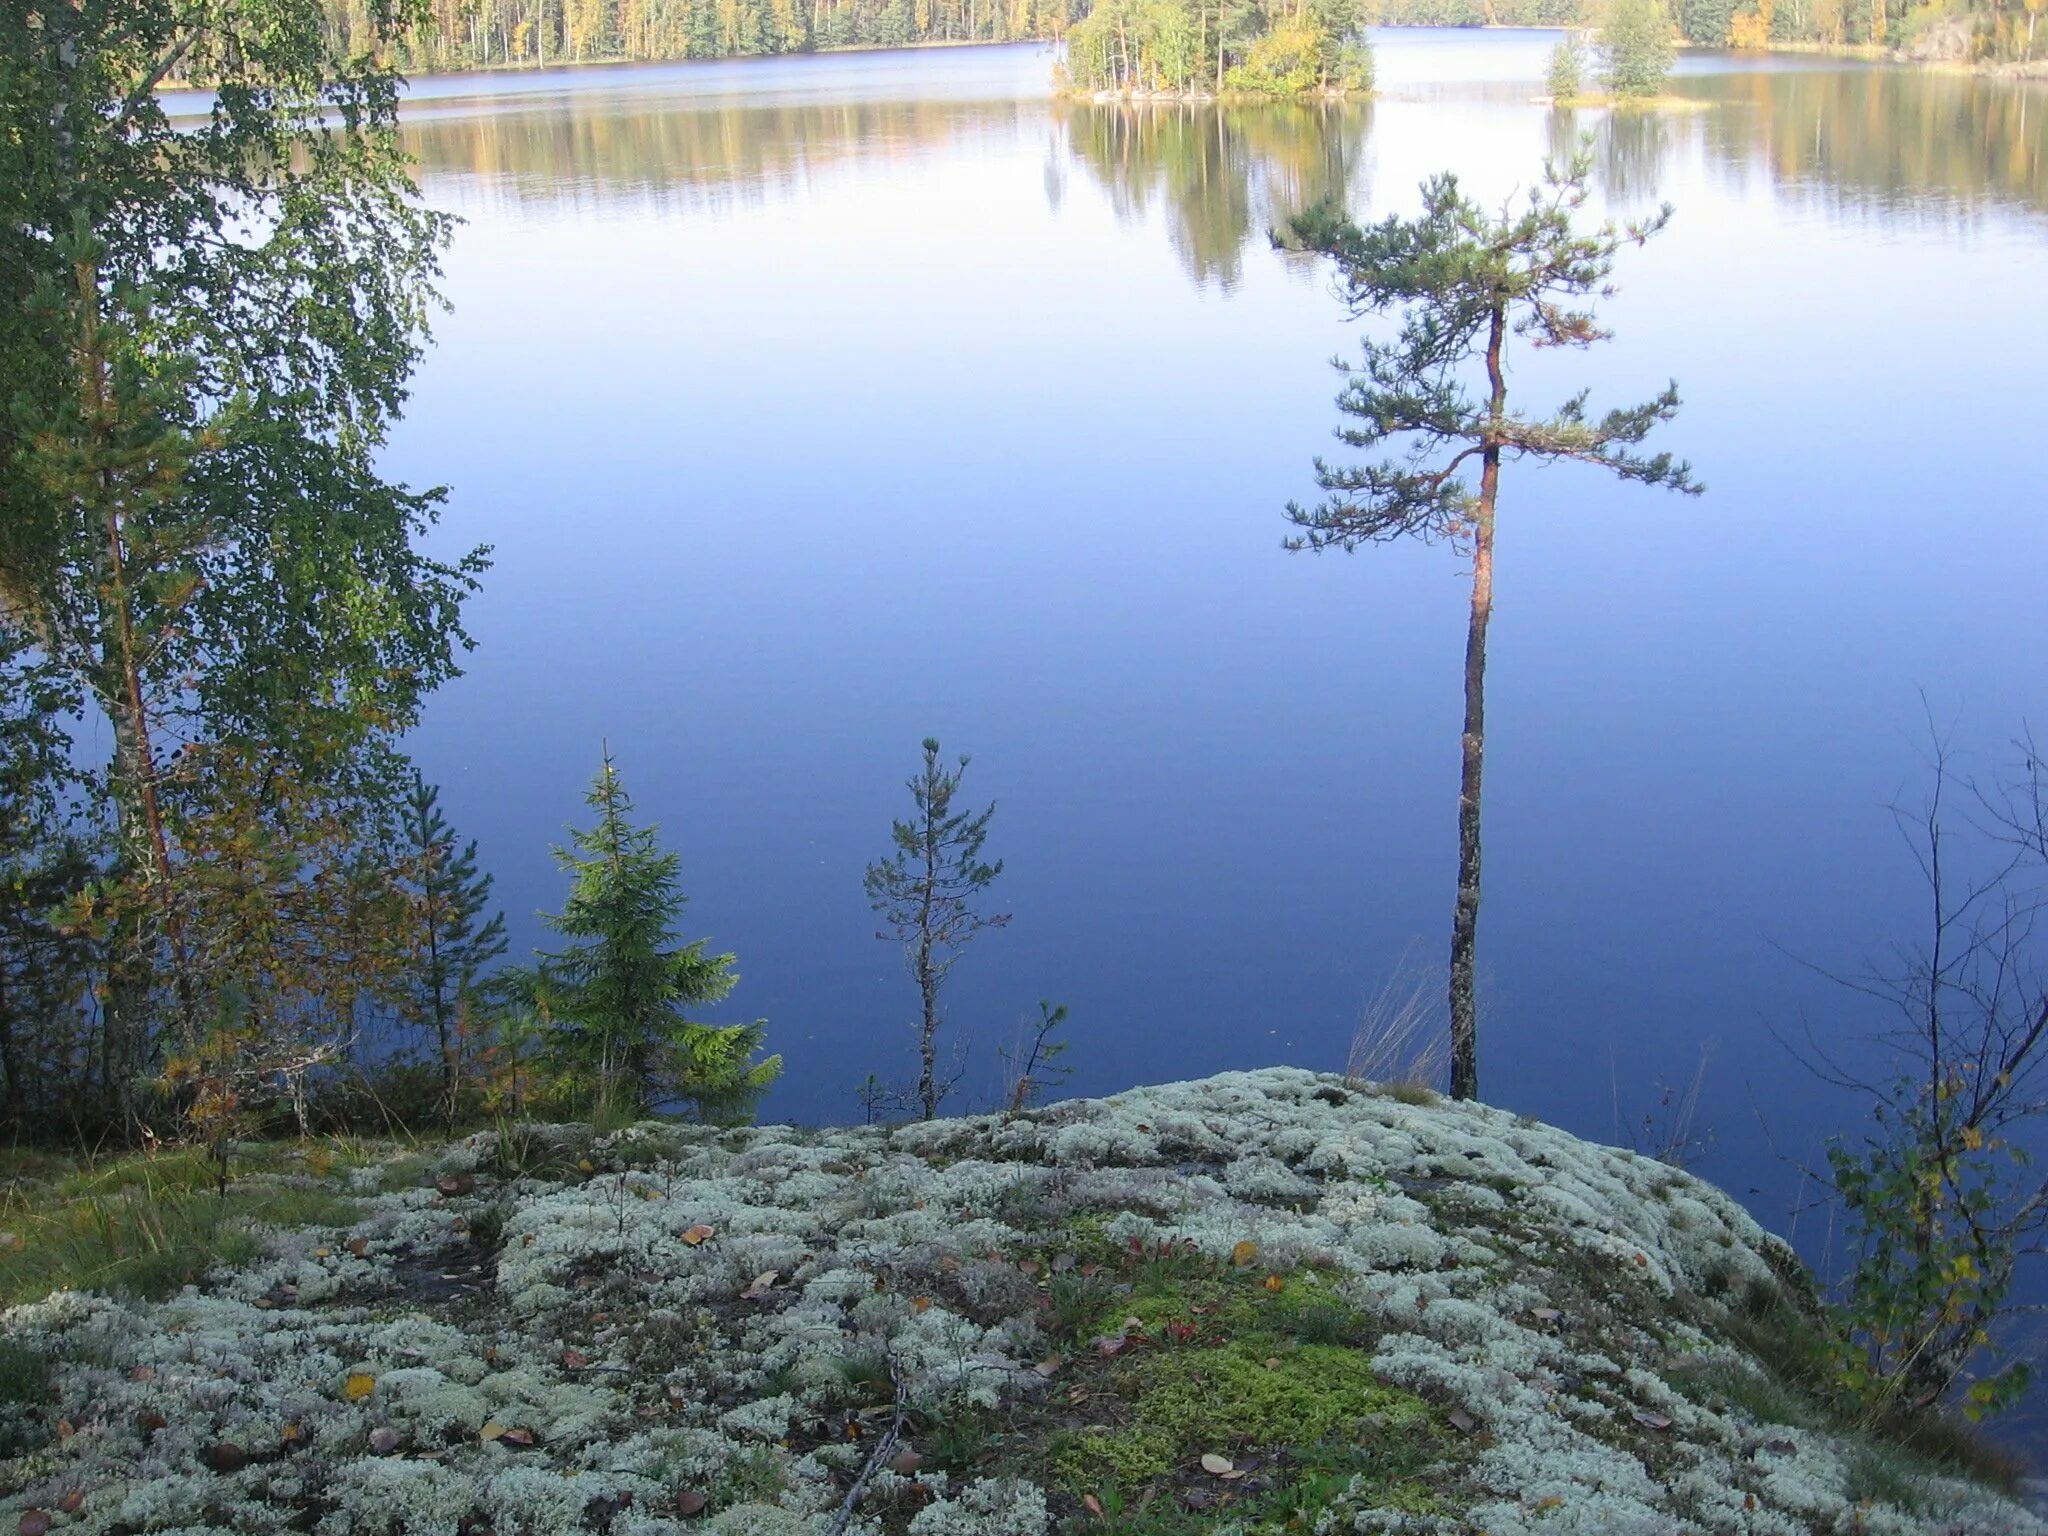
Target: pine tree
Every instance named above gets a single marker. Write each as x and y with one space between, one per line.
925 890
619 998
449 895
1462 282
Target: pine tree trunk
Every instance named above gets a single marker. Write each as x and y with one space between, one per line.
1465 915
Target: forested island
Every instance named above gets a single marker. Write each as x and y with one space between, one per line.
1276 47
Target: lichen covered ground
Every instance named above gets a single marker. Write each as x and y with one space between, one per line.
1265 1302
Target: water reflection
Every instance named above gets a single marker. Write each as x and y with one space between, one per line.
1222 177
1218 178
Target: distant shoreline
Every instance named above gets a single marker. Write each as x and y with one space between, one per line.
2036 69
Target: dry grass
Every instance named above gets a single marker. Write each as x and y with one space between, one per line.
1403 1039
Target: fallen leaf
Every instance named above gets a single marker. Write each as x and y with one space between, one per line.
574 1360
456 1183
1217 1466
1028 1266
1275 1283
1048 1366
1462 1421
72 1502
1244 1253
1548 1501
905 1462
699 1234
359 1246
1546 1314
763 1283
1092 1504
224 1456
1653 1421
1109 1343
920 1303
360 1384
1062 1263
323 1253
519 1437
34 1523
383 1440
691 1501
491 1431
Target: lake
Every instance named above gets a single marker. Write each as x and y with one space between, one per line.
814 405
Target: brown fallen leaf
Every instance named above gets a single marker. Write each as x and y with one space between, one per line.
358 1246
574 1360
34 1523
1243 1254
1049 1366
360 1384
1028 1266
1092 1504
691 1501
920 1303
905 1462
699 1234
456 1184
383 1440
762 1285
224 1456
523 1438
1275 1283
1548 1501
491 1431
1462 1421
1653 1420
72 1502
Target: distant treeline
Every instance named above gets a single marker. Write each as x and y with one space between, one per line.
472 34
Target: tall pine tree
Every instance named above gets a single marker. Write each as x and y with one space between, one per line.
620 997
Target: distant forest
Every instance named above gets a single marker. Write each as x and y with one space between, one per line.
472 34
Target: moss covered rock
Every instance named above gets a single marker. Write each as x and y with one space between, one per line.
1265 1302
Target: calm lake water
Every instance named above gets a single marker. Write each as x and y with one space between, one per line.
815 405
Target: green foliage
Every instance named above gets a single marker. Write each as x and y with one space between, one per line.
616 1003
1567 77
1706 23
927 890
1926 1197
207 333
1637 45
1246 47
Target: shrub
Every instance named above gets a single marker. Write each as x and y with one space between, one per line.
1567 68
1636 36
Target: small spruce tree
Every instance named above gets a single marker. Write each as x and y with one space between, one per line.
620 997
448 896
926 891
1567 68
